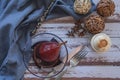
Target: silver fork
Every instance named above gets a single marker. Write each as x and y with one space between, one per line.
74 61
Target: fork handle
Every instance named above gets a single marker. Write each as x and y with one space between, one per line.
51 73
62 73
59 75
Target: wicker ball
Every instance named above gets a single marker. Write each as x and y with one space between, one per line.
105 8
94 24
82 6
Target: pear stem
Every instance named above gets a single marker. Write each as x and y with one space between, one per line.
60 44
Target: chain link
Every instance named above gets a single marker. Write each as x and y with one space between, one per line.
43 17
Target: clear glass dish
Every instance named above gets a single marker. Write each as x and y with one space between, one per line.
41 71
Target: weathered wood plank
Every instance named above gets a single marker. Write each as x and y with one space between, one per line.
90 71
61 29
92 63
108 58
94 71
86 78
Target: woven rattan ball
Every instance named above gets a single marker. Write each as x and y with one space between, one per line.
82 6
105 8
94 24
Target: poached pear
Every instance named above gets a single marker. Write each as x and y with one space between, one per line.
49 51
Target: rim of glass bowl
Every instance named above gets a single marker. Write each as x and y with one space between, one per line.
63 64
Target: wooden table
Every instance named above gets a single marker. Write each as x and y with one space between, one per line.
95 66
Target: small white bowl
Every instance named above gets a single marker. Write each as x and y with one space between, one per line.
101 42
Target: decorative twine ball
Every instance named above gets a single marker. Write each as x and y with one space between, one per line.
105 8
94 24
82 6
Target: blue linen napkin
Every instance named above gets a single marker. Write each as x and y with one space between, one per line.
17 20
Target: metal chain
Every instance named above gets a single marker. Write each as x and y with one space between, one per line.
43 17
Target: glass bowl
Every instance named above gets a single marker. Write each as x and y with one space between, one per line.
36 66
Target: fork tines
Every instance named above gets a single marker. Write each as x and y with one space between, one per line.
81 54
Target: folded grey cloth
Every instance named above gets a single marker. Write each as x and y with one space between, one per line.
17 20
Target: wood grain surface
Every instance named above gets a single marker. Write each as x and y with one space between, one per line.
104 66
